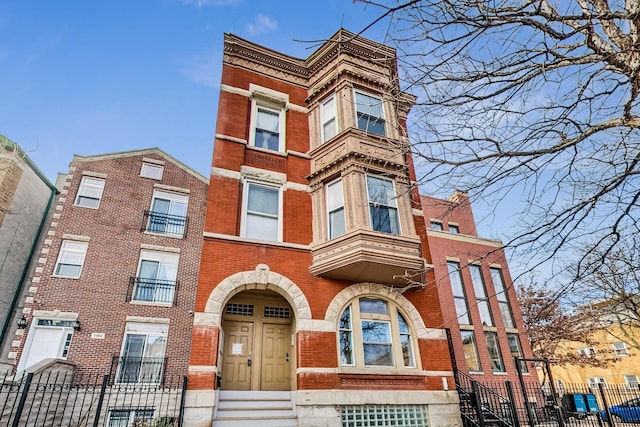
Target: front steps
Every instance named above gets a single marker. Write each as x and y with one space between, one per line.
255 409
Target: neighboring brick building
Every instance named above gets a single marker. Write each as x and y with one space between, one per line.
312 222
25 197
116 275
479 302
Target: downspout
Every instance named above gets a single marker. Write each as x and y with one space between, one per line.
25 271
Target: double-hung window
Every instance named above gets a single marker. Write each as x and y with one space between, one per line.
268 127
168 214
481 295
620 349
90 192
151 170
335 209
632 381
495 357
503 299
594 382
156 279
142 356
373 333
262 207
328 118
459 296
70 259
369 113
383 210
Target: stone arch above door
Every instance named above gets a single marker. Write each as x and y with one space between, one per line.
262 278
361 289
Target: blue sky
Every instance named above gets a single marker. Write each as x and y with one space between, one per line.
91 77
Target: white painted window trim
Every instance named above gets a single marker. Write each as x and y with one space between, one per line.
382 109
280 109
90 182
246 183
66 249
335 182
324 119
147 169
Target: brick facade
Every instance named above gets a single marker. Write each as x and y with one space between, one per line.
115 233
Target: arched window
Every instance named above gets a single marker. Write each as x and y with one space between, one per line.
373 333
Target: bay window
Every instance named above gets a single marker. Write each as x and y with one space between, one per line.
369 113
335 209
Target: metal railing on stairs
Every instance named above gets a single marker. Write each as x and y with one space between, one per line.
481 406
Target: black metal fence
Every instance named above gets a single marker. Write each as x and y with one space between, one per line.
65 398
513 404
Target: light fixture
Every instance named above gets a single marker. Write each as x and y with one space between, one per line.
76 325
22 322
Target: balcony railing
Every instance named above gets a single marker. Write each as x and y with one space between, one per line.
162 223
138 370
152 290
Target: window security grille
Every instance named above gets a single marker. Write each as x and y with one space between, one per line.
277 312
240 309
384 415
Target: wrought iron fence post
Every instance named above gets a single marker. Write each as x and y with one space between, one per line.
23 400
527 409
182 398
103 388
606 405
478 402
512 404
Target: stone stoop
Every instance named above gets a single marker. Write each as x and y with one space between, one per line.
255 409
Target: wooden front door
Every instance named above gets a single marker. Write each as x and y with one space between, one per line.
275 369
258 345
238 351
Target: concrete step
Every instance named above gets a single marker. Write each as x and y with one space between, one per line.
255 409
277 422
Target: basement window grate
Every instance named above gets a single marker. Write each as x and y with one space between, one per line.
277 312
384 415
240 309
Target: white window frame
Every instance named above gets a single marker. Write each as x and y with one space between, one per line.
165 222
620 350
70 249
133 416
157 330
327 115
337 185
90 189
273 108
588 352
245 202
151 170
559 385
353 332
390 204
377 118
594 381
631 381
164 259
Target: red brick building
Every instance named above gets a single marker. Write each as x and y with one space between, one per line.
312 224
479 303
114 285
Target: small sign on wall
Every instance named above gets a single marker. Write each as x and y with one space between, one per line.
97 335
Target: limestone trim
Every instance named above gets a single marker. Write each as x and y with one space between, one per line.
261 278
262 242
464 238
373 397
375 289
172 188
230 138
